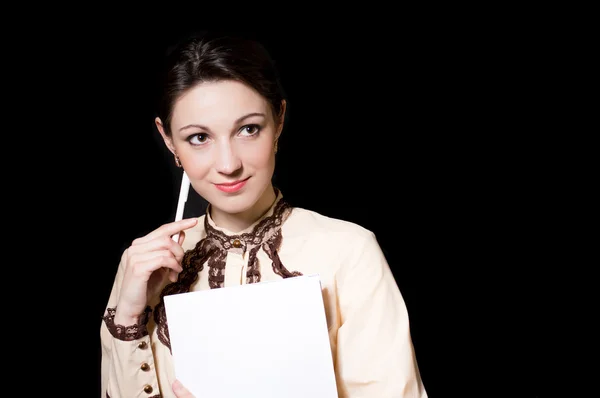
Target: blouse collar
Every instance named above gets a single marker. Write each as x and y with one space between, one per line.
256 234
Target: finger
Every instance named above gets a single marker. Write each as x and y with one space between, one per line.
160 243
148 266
180 391
169 273
169 229
143 257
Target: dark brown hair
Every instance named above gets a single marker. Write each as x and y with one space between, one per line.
210 57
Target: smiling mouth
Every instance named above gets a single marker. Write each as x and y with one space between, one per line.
232 186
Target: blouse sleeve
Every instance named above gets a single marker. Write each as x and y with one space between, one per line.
375 355
127 363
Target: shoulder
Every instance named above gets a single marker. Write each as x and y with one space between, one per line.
304 221
345 243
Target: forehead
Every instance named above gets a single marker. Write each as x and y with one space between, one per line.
219 100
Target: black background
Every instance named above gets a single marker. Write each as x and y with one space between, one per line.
408 131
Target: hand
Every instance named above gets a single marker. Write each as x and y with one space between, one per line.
180 391
148 262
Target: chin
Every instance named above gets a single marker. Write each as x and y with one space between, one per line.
233 208
234 204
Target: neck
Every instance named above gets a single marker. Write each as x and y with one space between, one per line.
236 222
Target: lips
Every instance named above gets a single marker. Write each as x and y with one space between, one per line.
232 186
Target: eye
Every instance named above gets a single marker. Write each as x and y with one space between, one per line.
250 130
198 139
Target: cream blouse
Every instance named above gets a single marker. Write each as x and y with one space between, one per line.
366 315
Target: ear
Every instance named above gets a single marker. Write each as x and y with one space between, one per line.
161 129
281 119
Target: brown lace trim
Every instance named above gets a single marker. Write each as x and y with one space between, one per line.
263 234
212 251
127 333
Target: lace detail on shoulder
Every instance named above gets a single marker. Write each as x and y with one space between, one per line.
127 333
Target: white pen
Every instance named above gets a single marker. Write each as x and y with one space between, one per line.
183 195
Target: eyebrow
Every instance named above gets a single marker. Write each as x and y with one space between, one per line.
237 121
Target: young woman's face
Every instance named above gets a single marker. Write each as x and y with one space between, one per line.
224 134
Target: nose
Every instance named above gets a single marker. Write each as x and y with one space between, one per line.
227 162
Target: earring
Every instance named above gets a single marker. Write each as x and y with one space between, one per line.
275 146
177 161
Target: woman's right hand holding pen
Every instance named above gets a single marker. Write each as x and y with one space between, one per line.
149 261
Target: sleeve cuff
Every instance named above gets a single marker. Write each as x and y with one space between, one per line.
127 333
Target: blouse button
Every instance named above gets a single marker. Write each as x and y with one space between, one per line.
237 243
145 367
147 388
142 345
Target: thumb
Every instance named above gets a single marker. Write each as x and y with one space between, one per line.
172 274
180 391
181 238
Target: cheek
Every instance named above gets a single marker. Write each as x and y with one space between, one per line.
197 167
261 157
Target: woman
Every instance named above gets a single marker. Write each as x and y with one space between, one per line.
222 115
